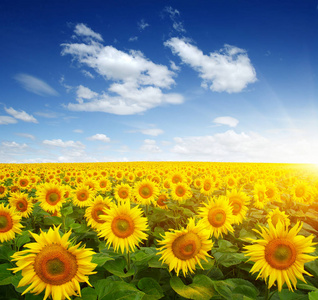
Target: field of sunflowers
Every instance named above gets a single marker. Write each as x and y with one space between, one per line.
158 230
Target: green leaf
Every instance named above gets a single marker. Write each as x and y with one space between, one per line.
52 220
23 239
5 274
117 267
229 259
285 294
307 287
151 288
101 258
87 293
108 289
313 295
200 289
245 235
67 210
6 252
242 287
312 267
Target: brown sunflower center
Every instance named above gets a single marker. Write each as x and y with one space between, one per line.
280 254
216 217
270 193
236 203
55 265
53 197
186 246
207 186
260 196
23 182
145 192
162 200
82 195
97 210
300 191
231 182
5 222
103 184
123 193
2 189
22 205
123 226
180 191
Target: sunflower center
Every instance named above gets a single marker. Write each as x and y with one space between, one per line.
280 254
260 196
2 189
180 191
23 183
145 192
5 222
55 265
123 226
236 204
97 211
22 205
300 191
270 193
82 195
53 198
216 217
231 182
162 200
186 246
207 186
103 184
123 193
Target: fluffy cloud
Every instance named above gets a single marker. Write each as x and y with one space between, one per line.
228 70
5 120
99 137
232 122
137 81
35 85
150 146
20 115
142 25
67 144
174 15
152 131
83 30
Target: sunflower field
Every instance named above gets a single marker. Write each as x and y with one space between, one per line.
158 230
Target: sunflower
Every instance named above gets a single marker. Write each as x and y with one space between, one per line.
124 227
207 186
180 192
280 255
122 192
183 249
300 191
272 191
239 201
9 223
21 203
162 200
145 191
54 265
51 196
97 208
83 195
23 182
260 197
217 216
103 185
276 215
3 190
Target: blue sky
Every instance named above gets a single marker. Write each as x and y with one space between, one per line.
95 81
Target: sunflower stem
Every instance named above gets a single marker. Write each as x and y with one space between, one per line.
272 294
128 260
266 293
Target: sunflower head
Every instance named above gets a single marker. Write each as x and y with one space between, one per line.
9 223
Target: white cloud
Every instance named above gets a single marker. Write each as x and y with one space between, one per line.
88 74
142 25
62 144
150 146
173 66
78 130
47 114
14 145
83 30
174 15
5 120
133 39
152 131
35 85
228 70
84 93
20 115
232 122
138 82
99 137
26 135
